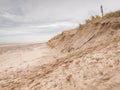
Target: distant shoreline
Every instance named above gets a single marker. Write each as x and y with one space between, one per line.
17 44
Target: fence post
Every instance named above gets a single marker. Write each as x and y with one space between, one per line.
102 11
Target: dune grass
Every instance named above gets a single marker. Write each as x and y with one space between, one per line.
106 16
112 14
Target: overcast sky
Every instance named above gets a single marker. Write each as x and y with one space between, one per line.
39 20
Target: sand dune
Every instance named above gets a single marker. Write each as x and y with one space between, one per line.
84 58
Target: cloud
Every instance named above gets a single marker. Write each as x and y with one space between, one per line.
31 11
46 18
35 33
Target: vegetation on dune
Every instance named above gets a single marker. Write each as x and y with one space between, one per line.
93 19
112 14
98 18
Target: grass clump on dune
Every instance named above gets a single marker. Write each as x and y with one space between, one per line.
93 19
112 14
106 16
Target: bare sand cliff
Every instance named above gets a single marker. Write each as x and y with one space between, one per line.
84 58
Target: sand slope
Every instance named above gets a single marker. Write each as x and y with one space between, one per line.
85 58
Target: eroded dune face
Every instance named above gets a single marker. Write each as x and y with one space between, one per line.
85 58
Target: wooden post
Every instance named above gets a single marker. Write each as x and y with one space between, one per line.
102 11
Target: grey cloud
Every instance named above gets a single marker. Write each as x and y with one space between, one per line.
22 17
25 11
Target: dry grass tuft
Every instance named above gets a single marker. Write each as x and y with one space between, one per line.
93 19
99 18
112 14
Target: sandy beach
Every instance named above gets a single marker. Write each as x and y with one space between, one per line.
23 55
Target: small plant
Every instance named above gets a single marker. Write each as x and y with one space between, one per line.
93 19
